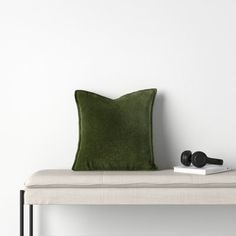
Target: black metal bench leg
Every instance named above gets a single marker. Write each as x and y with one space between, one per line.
31 220
22 192
22 203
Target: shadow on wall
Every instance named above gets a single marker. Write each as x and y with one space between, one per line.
135 220
161 142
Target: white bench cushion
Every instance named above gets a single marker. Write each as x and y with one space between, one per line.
131 179
131 196
129 187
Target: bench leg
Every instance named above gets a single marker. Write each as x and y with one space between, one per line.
22 192
22 203
30 220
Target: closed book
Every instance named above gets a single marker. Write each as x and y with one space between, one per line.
206 170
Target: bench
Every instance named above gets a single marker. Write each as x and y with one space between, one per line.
162 187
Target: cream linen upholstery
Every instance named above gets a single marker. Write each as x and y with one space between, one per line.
129 187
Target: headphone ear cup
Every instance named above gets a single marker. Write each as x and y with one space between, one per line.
199 159
186 158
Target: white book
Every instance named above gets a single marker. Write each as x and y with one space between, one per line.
206 170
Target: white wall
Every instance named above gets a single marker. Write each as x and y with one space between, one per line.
49 48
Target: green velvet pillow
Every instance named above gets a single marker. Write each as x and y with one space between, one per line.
115 134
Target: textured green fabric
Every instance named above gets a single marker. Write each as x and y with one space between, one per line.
115 134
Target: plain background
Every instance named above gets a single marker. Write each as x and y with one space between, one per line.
48 49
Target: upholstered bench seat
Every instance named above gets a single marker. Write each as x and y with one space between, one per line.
129 187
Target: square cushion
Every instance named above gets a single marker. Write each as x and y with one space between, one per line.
115 134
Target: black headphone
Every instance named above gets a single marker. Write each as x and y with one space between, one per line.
198 159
